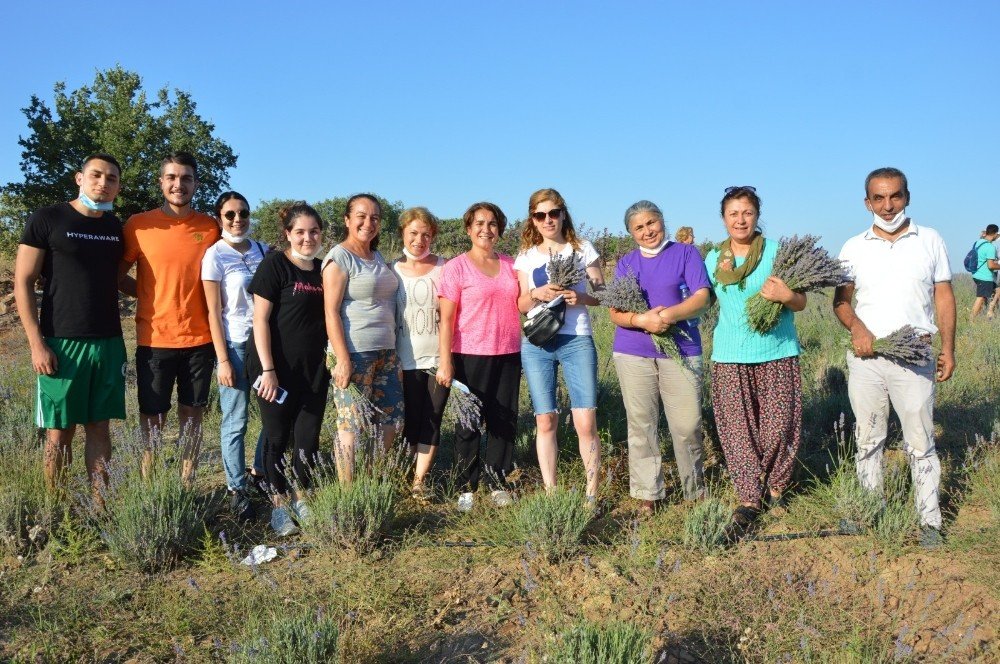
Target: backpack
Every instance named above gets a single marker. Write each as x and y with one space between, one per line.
971 261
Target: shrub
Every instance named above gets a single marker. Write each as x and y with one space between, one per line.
553 523
614 643
304 636
705 524
356 516
149 522
984 473
26 508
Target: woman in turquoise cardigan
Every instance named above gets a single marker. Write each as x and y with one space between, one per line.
756 389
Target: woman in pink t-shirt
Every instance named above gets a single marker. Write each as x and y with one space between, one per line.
480 346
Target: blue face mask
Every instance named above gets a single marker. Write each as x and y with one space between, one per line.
94 205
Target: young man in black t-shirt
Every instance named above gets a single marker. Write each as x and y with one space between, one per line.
76 344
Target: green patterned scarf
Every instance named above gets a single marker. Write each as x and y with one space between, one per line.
726 272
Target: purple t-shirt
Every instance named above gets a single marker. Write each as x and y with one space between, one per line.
660 278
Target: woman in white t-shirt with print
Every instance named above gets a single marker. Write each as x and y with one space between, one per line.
226 271
548 231
417 319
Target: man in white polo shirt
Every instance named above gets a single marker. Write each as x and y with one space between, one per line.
901 276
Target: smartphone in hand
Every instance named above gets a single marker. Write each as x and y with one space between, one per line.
282 392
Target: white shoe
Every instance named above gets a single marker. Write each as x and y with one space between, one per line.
282 523
501 498
465 502
301 511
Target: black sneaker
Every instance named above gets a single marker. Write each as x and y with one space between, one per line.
257 482
239 503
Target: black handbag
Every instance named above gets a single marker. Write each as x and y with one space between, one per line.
545 321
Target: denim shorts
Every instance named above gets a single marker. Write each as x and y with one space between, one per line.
578 357
378 375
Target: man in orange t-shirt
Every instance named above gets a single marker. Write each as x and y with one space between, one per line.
174 342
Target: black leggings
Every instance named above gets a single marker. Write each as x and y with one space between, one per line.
423 407
496 379
303 412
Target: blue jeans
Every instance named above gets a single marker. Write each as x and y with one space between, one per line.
578 357
233 401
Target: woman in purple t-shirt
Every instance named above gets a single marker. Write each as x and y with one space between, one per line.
479 339
675 283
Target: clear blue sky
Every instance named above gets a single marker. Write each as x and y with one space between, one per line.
443 104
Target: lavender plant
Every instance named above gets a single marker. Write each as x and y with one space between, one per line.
907 344
565 271
624 294
804 267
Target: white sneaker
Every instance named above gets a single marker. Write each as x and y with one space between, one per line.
465 502
301 511
282 523
501 498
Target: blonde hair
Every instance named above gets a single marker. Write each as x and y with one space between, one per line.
418 214
684 233
530 236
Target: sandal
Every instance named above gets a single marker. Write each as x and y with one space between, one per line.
742 524
421 494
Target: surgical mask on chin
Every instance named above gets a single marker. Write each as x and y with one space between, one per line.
655 250
306 257
91 204
890 226
234 239
414 257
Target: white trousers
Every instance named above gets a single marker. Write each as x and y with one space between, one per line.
873 385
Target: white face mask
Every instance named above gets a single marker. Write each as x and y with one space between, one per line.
655 250
91 204
306 257
234 239
890 226
414 257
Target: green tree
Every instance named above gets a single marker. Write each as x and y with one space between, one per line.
267 227
113 115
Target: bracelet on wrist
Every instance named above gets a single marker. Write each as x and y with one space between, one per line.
266 370
631 320
223 361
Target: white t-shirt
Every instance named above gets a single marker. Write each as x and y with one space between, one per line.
417 317
894 281
234 271
533 261
996 275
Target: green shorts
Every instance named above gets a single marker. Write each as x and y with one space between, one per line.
89 385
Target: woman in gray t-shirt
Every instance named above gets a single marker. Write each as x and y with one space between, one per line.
359 291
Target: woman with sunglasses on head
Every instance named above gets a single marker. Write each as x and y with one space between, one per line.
480 345
650 379
417 316
549 232
756 389
286 355
360 292
226 271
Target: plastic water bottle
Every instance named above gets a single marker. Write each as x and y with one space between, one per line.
685 294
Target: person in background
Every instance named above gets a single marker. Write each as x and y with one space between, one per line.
360 292
76 346
417 316
756 386
549 231
226 272
986 268
480 345
991 310
684 235
174 339
649 379
286 353
900 275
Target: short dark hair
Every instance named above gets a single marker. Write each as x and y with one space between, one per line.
732 193
228 196
101 156
180 157
888 172
483 205
992 229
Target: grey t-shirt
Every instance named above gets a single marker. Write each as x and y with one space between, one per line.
368 308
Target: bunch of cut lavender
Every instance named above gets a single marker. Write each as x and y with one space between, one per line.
624 294
803 267
564 271
906 345
466 406
366 413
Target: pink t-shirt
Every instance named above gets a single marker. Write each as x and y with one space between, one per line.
487 321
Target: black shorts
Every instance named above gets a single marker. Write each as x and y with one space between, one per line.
423 406
984 288
157 369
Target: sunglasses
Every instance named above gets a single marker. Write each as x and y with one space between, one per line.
744 187
554 213
231 214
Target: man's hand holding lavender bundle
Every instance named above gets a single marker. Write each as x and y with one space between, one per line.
906 344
